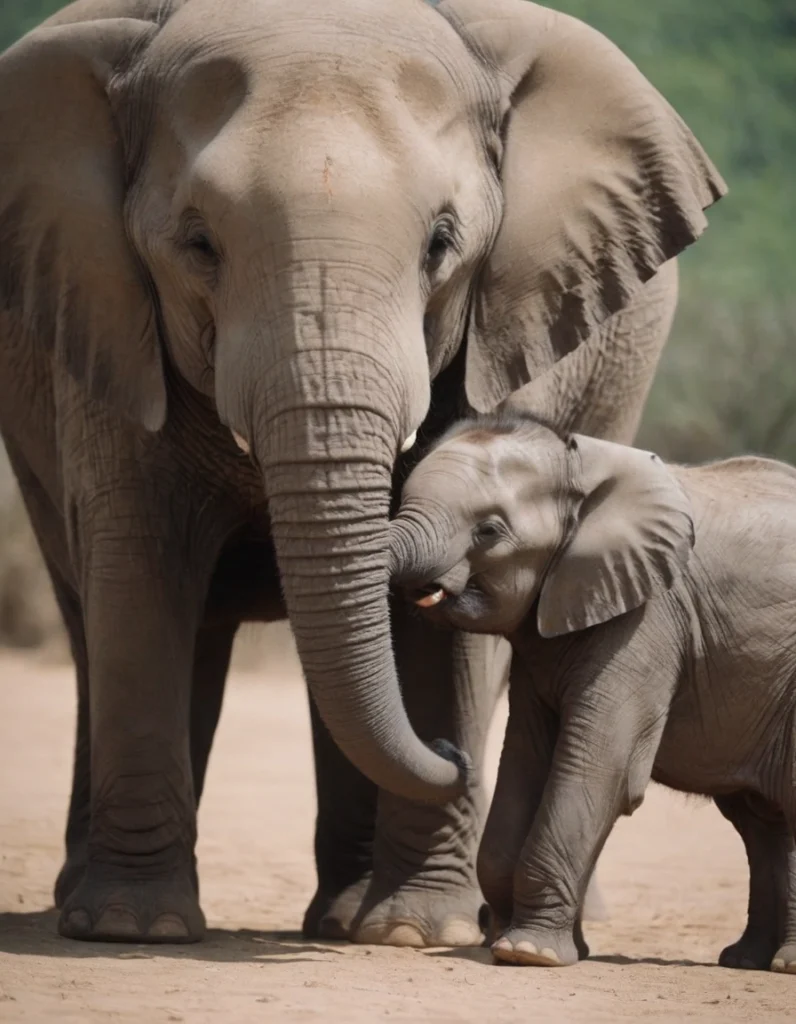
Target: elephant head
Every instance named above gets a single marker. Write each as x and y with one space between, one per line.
304 212
506 518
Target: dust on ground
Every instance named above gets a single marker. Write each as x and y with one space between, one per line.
674 877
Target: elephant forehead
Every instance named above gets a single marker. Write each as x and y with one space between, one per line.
481 468
313 72
457 475
317 52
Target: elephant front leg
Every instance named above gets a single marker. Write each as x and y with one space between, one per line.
424 890
141 606
525 762
78 817
344 830
598 771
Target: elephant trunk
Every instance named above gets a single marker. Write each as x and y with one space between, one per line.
327 460
418 544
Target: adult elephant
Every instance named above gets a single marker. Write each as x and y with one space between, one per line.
314 228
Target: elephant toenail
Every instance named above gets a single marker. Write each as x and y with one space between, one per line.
459 932
119 922
777 965
405 935
168 926
77 922
502 944
526 947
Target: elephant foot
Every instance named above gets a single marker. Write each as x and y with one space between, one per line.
498 929
754 951
418 918
330 914
529 947
784 960
69 877
157 911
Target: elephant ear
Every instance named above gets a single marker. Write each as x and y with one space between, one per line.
632 538
69 279
602 182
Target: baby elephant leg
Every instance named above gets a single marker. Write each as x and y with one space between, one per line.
524 766
769 939
598 772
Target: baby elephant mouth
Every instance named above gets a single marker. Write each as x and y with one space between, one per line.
431 599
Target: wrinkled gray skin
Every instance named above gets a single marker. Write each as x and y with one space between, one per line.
318 226
635 657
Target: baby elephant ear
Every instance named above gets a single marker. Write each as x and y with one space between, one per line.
632 539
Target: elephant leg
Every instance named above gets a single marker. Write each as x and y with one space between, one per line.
344 829
211 660
79 814
596 774
424 890
142 600
212 655
524 766
47 524
769 939
525 762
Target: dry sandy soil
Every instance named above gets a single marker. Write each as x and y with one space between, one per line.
674 878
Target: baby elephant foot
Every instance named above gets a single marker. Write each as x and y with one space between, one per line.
754 951
527 947
107 910
784 959
421 919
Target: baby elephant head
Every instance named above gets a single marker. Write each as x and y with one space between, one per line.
504 515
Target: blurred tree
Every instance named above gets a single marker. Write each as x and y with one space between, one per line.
726 382
19 16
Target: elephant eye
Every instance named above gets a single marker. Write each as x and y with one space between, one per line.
487 532
442 240
202 245
194 238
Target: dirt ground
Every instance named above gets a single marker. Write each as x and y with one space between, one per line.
673 876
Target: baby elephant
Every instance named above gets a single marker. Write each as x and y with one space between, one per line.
652 614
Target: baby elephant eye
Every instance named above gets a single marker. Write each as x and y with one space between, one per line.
488 530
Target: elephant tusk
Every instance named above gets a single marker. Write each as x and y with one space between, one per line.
431 599
409 442
241 442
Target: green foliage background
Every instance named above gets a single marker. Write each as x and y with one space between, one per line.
727 382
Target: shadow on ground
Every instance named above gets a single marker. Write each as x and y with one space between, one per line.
484 956
36 934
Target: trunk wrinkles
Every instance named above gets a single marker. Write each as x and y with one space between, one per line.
327 453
